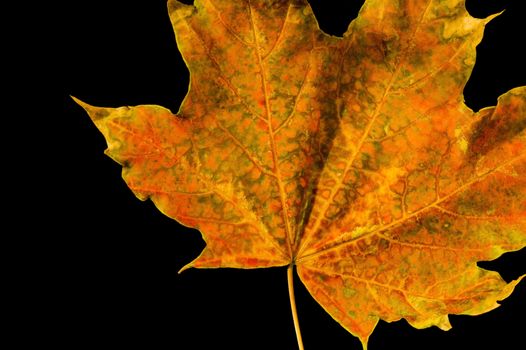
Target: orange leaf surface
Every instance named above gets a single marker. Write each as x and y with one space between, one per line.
354 159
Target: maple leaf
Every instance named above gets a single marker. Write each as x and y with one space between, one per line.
354 159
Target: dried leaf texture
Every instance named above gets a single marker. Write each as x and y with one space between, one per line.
353 158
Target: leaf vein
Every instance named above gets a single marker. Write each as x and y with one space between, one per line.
415 213
365 134
231 87
228 27
282 193
250 156
280 34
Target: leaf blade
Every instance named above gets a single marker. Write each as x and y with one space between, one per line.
293 147
423 267
161 165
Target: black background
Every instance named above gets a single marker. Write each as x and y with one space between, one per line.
112 279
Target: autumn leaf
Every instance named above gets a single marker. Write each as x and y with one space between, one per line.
353 159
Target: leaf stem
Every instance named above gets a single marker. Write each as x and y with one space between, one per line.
290 279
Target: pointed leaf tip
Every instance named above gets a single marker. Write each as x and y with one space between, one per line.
185 267
80 102
491 17
95 113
